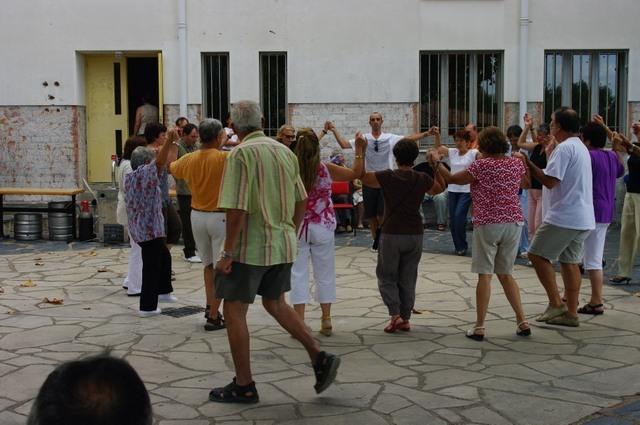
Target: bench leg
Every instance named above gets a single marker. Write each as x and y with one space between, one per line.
73 217
2 215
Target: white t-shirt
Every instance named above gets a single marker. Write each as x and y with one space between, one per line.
121 208
383 158
570 203
459 163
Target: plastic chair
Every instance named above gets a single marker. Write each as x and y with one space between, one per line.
343 188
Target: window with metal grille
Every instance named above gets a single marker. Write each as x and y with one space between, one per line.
459 88
273 90
591 82
215 85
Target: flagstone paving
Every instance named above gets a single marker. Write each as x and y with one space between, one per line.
432 374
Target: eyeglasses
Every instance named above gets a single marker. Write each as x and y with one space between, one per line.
289 136
375 145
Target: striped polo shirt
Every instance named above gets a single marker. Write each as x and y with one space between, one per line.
262 177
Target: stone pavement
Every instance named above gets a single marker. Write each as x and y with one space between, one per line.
431 375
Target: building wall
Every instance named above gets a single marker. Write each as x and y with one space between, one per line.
42 146
344 58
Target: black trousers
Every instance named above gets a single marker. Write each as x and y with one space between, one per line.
184 209
156 272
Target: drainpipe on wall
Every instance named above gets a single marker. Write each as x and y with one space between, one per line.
182 56
524 52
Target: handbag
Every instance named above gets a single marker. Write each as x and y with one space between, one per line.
376 240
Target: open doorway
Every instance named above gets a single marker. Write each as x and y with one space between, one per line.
142 81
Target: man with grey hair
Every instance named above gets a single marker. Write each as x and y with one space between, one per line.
264 199
202 171
146 224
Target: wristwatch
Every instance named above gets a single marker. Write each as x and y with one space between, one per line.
226 255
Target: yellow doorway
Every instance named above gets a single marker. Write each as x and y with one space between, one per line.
107 112
114 86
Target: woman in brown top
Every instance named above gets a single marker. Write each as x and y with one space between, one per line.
400 245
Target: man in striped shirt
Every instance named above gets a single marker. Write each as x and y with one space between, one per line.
264 199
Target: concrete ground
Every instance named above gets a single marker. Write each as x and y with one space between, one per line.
431 375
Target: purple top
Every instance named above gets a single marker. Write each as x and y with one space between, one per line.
606 168
144 203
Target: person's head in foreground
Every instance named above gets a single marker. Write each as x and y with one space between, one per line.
99 390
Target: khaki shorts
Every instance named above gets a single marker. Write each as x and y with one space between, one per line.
246 281
559 243
495 247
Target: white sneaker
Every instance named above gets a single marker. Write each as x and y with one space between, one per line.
145 313
194 259
167 298
371 249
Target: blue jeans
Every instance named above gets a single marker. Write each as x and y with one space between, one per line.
524 236
458 210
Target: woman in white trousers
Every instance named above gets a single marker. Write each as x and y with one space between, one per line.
316 233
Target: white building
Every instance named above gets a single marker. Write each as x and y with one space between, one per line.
73 70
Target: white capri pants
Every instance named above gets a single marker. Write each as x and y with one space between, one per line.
209 229
594 247
133 281
318 244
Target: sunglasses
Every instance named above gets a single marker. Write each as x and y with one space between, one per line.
375 145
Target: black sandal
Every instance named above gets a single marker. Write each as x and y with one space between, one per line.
214 324
591 309
234 393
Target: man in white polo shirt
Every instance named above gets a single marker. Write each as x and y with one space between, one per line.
568 217
378 157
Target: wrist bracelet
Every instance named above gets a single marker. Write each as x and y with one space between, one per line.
226 255
359 156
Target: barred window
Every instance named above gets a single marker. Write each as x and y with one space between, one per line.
273 90
215 85
591 82
459 88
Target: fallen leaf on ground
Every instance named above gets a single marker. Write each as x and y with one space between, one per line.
86 308
637 294
52 301
103 269
12 312
39 263
90 254
37 259
1 291
28 284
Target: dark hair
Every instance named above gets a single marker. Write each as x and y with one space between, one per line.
153 130
406 152
567 119
514 131
100 390
187 129
595 134
181 119
132 143
544 128
492 141
462 134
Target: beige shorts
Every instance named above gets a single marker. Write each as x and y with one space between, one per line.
559 243
209 229
495 247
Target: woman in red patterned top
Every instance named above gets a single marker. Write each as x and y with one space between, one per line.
497 222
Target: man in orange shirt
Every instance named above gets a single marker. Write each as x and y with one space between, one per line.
202 170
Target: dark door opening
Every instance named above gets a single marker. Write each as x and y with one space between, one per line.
142 81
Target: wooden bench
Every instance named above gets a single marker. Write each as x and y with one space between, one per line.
32 191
